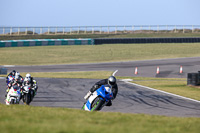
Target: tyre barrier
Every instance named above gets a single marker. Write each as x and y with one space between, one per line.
193 79
3 71
45 42
146 40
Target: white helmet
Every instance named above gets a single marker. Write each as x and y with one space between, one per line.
17 74
17 77
28 75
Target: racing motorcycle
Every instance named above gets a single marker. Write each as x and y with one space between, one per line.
98 99
27 94
10 78
13 96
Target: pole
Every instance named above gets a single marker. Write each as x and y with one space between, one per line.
10 30
85 30
78 30
175 28
92 30
63 30
157 28
40 30
133 28
192 28
48 30
26 31
18 30
3 30
33 31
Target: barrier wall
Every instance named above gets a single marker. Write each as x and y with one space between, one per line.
145 40
45 42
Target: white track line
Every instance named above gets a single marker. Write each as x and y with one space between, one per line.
160 91
8 65
114 73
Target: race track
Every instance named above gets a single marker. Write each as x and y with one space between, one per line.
130 99
169 68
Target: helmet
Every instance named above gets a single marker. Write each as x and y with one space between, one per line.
28 80
28 75
17 74
111 80
17 77
13 72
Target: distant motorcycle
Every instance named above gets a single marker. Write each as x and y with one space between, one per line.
98 99
13 96
27 94
10 78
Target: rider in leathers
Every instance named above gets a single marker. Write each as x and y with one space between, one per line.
17 81
30 81
110 81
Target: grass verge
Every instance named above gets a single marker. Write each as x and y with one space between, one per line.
44 55
175 86
135 35
19 118
82 74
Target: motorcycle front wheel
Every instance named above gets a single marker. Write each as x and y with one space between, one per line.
97 104
12 101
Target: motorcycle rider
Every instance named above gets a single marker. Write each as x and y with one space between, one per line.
11 75
17 81
30 81
110 81
20 77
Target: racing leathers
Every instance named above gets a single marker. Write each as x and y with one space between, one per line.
33 84
98 84
17 82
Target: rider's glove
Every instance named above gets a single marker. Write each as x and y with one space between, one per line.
96 86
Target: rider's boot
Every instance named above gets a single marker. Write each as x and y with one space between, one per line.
109 103
7 92
87 95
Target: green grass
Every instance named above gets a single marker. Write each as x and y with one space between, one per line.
97 53
175 86
82 74
23 119
135 35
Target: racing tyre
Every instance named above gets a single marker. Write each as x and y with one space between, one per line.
97 104
12 101
27 99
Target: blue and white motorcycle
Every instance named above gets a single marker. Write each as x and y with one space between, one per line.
98 99
9 79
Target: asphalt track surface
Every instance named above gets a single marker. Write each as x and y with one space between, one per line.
130 99
168 67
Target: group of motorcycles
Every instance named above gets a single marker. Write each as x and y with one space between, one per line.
16 93
26 93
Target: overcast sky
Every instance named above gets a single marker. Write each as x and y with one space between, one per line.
99 12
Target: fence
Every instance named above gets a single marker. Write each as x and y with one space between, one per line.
100 29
